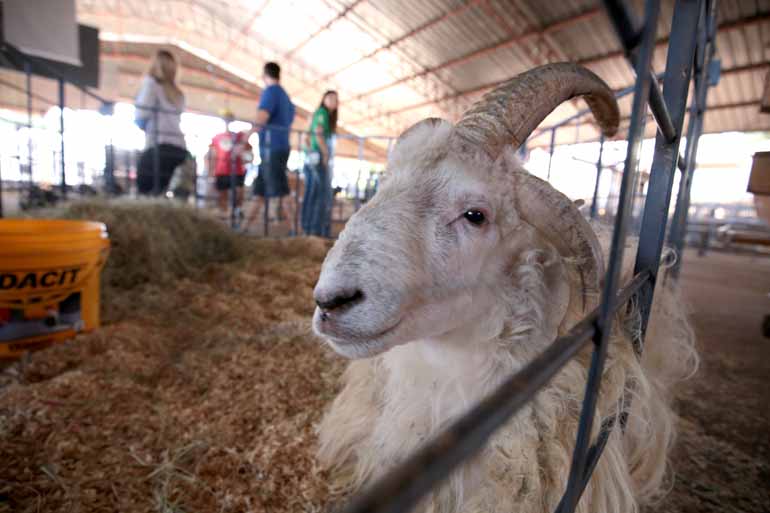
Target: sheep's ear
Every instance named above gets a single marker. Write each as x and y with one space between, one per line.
423 135
427 124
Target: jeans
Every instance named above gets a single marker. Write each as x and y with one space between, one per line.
169 157
317 201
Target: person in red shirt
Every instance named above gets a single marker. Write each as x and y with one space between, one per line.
229 151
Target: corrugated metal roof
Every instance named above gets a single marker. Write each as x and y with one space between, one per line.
396 61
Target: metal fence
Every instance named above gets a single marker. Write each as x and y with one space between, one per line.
690 58
118 174
690 53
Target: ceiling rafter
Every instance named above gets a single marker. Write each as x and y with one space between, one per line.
245 28
626 119
551 53
323 29
442 89
299 76
415 62
194 87
725 27
143 59
485 51
408 35
585 62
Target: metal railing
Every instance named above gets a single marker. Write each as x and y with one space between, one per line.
116 159
690 53
690 49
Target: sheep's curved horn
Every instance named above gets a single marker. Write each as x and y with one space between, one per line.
509 113
557 219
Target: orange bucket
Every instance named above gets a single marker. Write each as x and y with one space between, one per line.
49 281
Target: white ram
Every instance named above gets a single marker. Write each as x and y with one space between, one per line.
460 270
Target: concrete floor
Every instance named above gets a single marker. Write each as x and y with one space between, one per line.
722 458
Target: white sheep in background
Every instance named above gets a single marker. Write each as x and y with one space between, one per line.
458 272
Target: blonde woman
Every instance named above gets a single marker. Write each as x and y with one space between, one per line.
159 107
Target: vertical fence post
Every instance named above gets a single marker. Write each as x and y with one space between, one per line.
694 130
109 168
579 470
211 163
357 200
265 165
595 200
129 163
301 156
679 221
688 15
155 148
1 189
107 110
233 165
550 153
28 73
61 132
195 182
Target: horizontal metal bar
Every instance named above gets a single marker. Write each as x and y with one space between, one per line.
14 55
405 485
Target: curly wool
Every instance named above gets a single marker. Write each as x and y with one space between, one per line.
391 404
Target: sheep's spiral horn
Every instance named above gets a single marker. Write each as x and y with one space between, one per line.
509 113
557 218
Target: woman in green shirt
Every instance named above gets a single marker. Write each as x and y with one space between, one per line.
317 201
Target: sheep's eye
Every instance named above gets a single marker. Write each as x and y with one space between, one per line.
475 217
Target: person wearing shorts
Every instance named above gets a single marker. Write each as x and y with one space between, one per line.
229 149
275 115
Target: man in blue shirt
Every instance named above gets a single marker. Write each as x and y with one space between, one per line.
275 115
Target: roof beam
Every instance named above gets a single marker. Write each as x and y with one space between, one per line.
297 70
487 50
545 30
221 80
625 119
753 20
724 73
323 29
421 28
23 90
245 28
195 87
591 60
432 86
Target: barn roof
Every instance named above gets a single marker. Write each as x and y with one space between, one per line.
395 62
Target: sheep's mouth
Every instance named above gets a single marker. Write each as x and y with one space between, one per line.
367 337
345 338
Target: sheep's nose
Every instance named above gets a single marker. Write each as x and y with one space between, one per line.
338 299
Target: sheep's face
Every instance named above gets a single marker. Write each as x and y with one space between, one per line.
424 258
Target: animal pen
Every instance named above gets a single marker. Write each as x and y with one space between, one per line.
690 52
118 165
689 61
